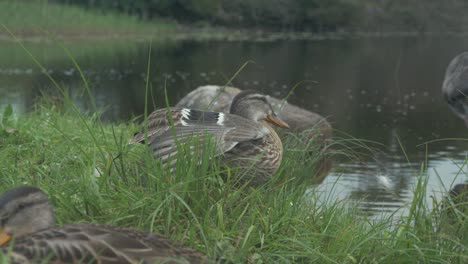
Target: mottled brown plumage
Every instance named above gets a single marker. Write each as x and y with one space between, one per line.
266 152
37 240
244 139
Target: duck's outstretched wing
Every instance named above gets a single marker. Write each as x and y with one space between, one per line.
167 128
99 244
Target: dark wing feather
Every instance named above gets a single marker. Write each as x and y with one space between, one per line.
196 127
100 244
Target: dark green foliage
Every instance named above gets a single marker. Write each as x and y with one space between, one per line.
418 15
147 9
317 15
312 15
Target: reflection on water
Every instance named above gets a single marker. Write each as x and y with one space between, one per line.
385 90
386 185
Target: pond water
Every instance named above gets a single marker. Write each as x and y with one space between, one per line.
386 90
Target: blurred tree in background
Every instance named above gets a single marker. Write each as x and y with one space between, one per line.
311 15
180 9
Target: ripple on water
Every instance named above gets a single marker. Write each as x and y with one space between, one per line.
386 185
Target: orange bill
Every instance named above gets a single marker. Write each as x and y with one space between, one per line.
276 121
4 237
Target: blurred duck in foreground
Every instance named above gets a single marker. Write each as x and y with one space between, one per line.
219 99
27 220
455 86
243 138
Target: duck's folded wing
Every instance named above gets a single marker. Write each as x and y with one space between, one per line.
168 128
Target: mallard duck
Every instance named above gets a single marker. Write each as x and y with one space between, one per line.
244 138
27 220
219 98
455 86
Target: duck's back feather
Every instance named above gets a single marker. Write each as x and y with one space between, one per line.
99 244
168 128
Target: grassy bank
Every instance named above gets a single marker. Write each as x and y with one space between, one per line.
28 18
31 19
92 175
239 20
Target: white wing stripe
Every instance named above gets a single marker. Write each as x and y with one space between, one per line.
220 119
185 113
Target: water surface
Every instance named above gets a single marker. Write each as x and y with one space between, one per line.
385 90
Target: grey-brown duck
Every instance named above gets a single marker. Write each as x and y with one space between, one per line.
244 138
455 86
28 235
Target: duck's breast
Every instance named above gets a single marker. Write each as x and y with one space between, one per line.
258 158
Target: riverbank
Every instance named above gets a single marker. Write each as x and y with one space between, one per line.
34 21
92 175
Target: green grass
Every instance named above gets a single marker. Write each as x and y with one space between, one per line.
29 17
93 176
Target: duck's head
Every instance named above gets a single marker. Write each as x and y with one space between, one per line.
255 106
24 210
